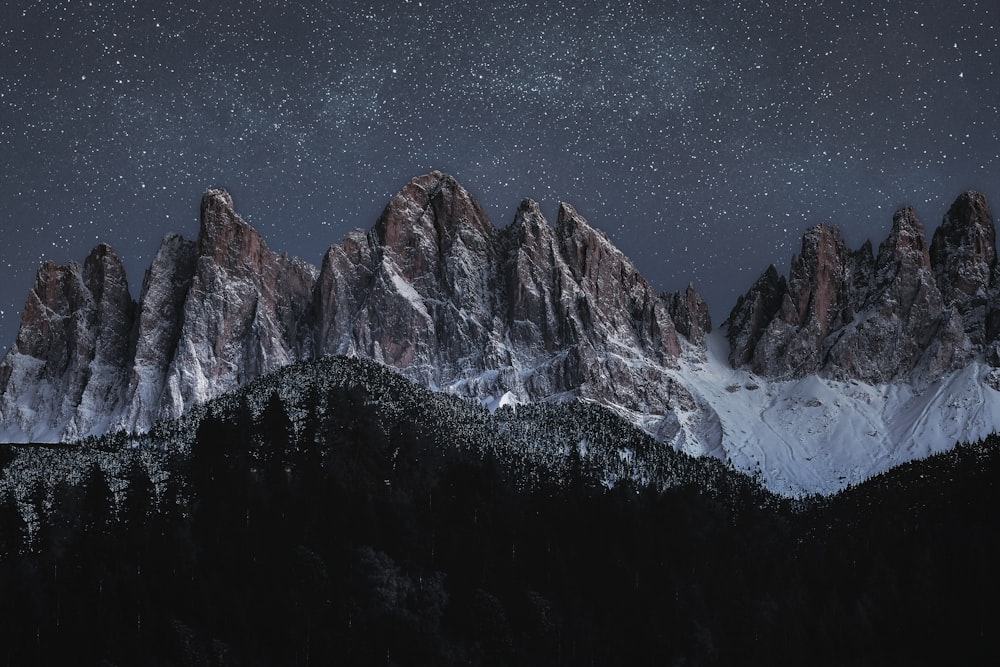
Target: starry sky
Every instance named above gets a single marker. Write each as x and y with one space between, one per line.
703 137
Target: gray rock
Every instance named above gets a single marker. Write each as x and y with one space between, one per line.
690 314
848 315
64 376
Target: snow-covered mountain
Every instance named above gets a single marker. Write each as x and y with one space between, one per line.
854 362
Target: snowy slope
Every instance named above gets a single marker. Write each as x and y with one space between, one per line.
819 435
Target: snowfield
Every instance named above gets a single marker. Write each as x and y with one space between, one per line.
817 435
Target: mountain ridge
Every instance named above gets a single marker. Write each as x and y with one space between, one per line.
528 312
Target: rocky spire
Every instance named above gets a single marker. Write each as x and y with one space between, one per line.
157 330
614 290
531 285
751 315
417 288
964 258
903 313
690 314
423 222
848 314
245 314
65 374
815 302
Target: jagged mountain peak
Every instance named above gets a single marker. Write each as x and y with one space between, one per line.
529 224
429 207
216 199
570 222
588 250
63 375
907 241
822 246
963 249
689 311
217 212
971 206
528 206
846 314
103 267
102 251
225 236
817 278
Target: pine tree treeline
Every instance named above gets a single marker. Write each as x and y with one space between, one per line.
336 514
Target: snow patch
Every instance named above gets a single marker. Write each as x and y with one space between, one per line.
493 403
820 435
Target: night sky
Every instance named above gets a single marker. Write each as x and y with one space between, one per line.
702 137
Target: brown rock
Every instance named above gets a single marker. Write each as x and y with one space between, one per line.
964 259
66 371
690 314
751 315
245 314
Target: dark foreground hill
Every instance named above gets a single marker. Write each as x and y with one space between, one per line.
334 513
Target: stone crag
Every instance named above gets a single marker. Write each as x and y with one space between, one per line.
911 309
433 289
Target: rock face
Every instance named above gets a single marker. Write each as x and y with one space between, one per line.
963 254
432 289
753 312
690 314
415 292
246 311
815 301
436 291
910 309
158 328
64 376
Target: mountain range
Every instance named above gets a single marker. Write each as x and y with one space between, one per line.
855 361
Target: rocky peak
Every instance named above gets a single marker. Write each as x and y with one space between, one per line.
752 313
344 281
72 343
433 257
529 223
531 274
847 314
529 236
584 247
963 250
245 313
689 311
593 259
816 301
612 294
46 323
422 222
216 214
67 301
903 276
817 282
157 329
224 236
906 247
104 274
